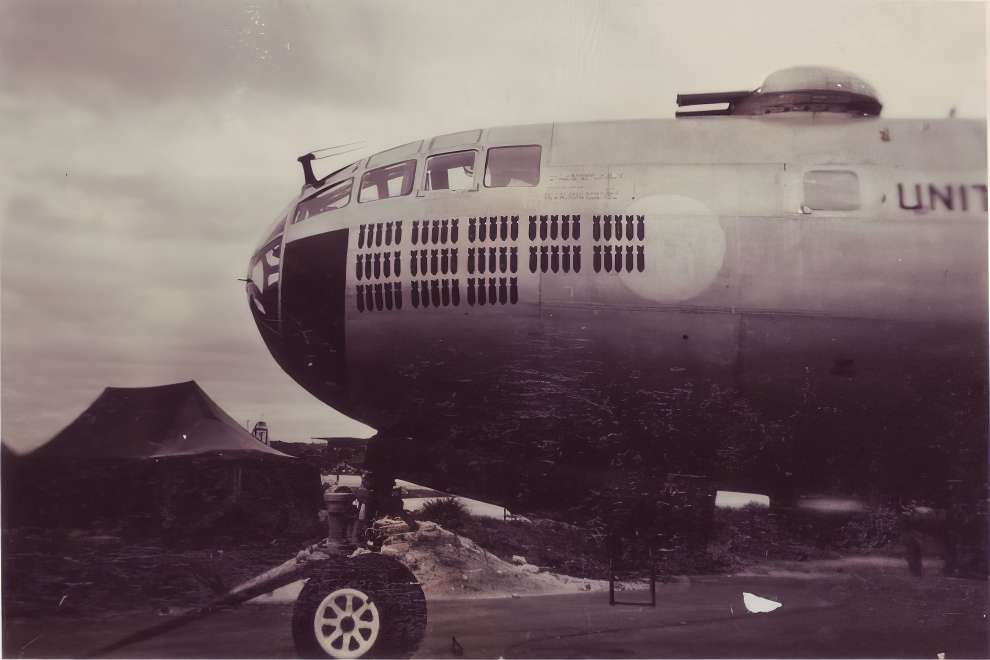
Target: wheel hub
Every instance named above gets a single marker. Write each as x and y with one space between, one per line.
346 623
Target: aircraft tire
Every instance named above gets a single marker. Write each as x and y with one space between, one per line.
365 606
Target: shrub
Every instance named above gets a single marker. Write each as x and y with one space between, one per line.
448 512
870 531
559 547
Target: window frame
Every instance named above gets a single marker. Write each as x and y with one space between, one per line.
405 193
336 184
426 171
539 172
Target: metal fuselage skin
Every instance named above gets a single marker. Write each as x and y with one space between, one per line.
665 294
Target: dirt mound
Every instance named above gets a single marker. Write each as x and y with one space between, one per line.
449 565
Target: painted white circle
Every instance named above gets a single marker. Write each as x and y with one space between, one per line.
684 248
346 623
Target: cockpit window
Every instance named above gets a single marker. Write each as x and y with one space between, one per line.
512 166
389 181
453 171
331 198
831 190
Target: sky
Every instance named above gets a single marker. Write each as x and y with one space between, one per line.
147 146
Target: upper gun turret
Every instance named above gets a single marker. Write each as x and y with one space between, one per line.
798 89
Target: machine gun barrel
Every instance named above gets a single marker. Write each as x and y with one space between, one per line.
710 97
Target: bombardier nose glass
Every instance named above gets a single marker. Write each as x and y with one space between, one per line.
263 277
264 271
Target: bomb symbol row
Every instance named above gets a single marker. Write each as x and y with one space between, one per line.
439 293
616 262
494 228
555 258
377 265
505 291
629 227
552 226
434 231
372 297
378 233
443 260
493 260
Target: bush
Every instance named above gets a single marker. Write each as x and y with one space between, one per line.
754 533
871 531
559 547
448 512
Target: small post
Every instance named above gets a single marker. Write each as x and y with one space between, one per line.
653 578
611 581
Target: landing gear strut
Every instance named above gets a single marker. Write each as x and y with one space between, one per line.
363 605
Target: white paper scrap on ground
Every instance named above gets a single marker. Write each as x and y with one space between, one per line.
758 604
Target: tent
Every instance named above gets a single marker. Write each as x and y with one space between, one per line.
168 460
153 422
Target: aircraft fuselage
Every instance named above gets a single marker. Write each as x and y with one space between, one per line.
743 293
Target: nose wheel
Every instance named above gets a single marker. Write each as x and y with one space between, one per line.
365 606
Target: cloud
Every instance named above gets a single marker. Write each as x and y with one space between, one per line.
120 253
149 51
